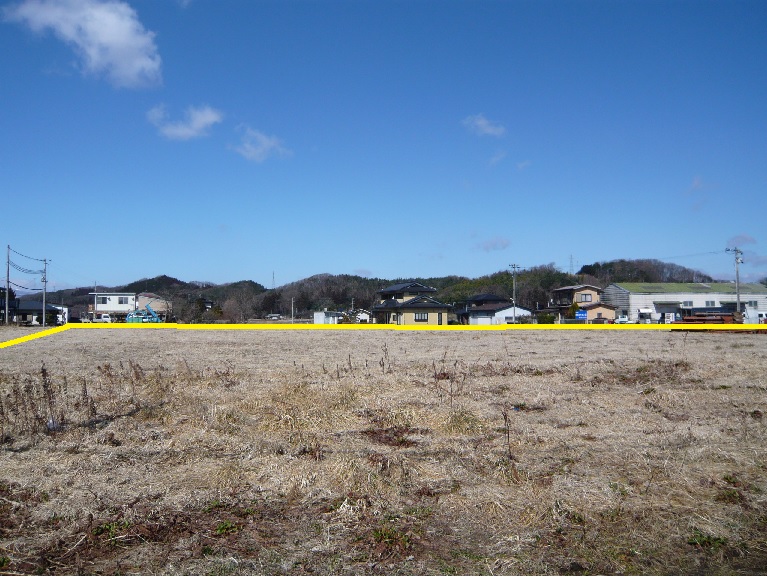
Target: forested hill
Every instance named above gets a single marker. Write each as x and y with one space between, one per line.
641 270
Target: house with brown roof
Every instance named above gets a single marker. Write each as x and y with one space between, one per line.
588 299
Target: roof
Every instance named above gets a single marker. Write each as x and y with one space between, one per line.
493 308
487 297
578 287
419 302
411 286
114 294
691 287
591 306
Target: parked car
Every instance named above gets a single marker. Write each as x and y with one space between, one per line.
621 320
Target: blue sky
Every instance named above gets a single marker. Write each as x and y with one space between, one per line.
239 139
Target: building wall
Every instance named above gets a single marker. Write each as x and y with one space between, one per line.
113 303
632 302
408 317
607 313
594 296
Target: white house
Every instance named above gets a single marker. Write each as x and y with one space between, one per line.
117 305
327 317
651 301
496 314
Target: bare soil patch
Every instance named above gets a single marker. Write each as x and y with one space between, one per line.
378 452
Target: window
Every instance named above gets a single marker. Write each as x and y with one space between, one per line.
710 303
122 300
687 304
584 298
753 304
101 300
421 317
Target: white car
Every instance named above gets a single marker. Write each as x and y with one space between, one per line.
621 320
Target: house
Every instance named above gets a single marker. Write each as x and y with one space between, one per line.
116 305
409 303
489 309
650 302
327 317
587 297
30 312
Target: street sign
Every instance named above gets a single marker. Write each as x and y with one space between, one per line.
581 315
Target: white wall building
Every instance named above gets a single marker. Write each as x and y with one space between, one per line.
657 299
112 303
496 315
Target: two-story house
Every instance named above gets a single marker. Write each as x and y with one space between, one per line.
117 305
587 297
409 303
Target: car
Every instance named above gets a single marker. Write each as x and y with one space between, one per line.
274 317
621 320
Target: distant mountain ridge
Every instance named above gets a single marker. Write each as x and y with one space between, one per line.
241 300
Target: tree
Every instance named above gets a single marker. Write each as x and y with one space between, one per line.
572 310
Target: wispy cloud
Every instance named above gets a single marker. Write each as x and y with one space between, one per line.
740 239
497 157
107 36
494 244
523 165
196 122
698 193
478 124
257 146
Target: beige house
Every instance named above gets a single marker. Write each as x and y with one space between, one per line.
588 299
409 303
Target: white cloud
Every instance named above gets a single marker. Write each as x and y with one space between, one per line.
257 146
106 35
196 122
478 124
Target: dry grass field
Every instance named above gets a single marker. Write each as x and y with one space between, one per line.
382 452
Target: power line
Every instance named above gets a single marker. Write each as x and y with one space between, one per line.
25 256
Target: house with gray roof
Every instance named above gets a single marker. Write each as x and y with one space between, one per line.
409 303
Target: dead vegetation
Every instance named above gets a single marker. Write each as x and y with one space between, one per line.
383 453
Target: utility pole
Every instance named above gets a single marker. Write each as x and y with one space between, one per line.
738 261
514 269
7 282
45 285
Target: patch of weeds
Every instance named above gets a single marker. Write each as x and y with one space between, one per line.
4 562
391 539
395 436
731 496
463 553
207 550
313 451
463 421
706 541
227 528
213 505
111 529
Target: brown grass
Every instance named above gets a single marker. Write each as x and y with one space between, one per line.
282 452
